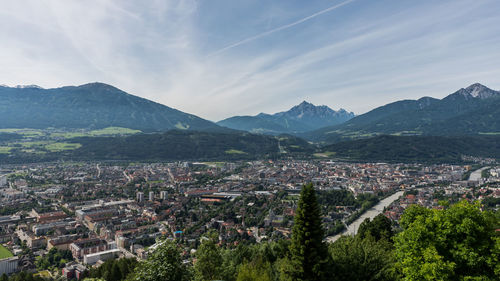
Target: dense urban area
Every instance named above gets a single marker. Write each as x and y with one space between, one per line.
72 220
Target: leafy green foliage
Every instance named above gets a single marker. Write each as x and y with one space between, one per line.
379 228
363 259
255 271
164 264
258 255
208 261
23 276
114 270
458 243
54 259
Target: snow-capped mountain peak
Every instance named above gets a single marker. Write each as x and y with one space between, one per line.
478 90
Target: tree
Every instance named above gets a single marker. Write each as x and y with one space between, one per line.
164 264
357 258
255 271
458 243
208 261
308 259
114 269
115 274
25 276
380 228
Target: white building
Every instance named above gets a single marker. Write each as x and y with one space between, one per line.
8 265
3 181
164 195
151 196
12 194
140 196
100 256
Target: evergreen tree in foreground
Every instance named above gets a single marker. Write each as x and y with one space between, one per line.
309 258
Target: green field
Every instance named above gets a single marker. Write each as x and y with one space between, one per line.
61 146
109 131
5 253
113 131
38 142
235 151
181 126
325 154
5 149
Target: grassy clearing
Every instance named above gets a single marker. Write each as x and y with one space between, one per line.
5 253
62 146
44 274
24 132
34 144
235 151
407 133
114 131
68 135
181 126
109 131
5 149
325 154
214 164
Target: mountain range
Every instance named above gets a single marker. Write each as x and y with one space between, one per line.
90 106
466 122
474 110
300 118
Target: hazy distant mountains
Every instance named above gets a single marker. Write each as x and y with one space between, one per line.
465 123
301 118
474 110
93 106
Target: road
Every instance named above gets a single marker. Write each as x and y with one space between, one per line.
371 213
129 179
476 175
98 171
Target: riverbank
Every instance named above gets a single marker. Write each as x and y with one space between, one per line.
371 213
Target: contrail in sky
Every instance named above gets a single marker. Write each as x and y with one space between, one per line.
283 27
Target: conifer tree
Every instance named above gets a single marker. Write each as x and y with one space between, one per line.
309 257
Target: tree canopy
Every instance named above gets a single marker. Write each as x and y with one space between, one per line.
458 243
164 264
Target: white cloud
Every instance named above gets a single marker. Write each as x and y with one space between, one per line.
366 54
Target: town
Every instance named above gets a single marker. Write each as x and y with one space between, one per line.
87 213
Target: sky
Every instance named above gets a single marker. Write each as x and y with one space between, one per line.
220 58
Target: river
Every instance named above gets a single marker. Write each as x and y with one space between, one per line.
476 175
371 213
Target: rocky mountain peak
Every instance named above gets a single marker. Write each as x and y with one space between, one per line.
478 90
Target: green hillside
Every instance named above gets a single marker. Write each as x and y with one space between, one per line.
433 149
90 106
471 111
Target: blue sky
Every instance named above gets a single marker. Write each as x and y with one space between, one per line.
219 58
